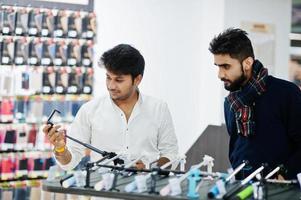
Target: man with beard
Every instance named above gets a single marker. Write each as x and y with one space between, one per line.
262 113
125 121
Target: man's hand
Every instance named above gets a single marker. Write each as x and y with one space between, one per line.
140 165
281 178
162 161
56 137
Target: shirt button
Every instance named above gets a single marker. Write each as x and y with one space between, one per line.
127 147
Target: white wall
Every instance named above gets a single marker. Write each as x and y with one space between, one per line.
168 34
173 36
276 12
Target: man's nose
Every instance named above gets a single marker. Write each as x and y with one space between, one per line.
111 85
221 73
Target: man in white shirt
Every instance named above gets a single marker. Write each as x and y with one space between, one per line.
125 121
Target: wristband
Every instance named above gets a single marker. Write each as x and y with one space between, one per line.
60 150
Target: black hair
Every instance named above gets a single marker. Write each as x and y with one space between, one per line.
232 41
123 59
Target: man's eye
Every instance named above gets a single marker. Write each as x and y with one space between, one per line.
119 81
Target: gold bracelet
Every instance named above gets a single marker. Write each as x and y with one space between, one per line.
60 150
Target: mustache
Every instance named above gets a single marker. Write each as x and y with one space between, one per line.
223 79
113 90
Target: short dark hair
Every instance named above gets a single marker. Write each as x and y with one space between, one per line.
232 41
123 59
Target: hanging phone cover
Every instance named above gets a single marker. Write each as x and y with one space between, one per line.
21 51
32 26
6 111
47 87
60 88
7 28
21 22
32 135
7 51
45 57
21 141
38 18
89 26
78 23
74 81
32 55
57 51
88 81
49 21
87 54
58 26
71 51
21 165
72 31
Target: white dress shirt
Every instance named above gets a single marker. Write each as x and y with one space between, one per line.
101 123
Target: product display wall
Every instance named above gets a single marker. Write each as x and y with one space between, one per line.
46 63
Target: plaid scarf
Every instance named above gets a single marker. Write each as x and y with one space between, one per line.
241 101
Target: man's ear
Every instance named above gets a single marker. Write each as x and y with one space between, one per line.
137 80
248 63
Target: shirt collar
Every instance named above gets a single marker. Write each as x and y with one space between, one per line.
137 105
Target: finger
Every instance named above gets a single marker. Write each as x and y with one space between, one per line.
60 140
60 143
61 135
55 136
53 130
46 128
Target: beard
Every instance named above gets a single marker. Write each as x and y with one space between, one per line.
237 83
117 95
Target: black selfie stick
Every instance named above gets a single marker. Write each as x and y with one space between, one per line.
105 154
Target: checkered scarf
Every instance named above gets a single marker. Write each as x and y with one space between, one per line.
241 101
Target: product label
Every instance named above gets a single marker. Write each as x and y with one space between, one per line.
19 60
86 61
87 90
45 32
5 30
59 89
18 31
45 61
5 60
33 60
72 33
33 31
58 61
71 61
58 33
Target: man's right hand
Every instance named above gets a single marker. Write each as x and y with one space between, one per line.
55 136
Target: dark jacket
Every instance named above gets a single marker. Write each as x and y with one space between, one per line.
277 138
